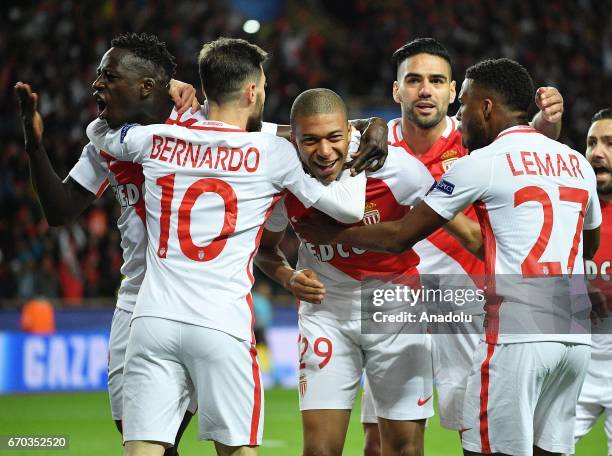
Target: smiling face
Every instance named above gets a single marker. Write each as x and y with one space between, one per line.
322 141
424 89
117 88
599 154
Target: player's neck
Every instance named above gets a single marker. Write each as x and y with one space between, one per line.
228 114
420 140
157 112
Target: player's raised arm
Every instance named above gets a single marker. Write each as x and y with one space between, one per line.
548 119
61 201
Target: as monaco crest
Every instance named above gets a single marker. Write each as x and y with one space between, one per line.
303 384
371 214
448 158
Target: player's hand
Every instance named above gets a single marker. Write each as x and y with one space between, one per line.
317 229
184 96
31 120
550 102
373 150
305 286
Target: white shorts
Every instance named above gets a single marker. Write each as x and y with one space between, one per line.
334 354
167 359
523 394
119 335
452 364
595 399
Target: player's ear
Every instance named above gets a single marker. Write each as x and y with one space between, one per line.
292 137
146 87
487 108
396 97
453 91
251 93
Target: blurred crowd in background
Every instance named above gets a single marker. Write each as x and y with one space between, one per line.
343 45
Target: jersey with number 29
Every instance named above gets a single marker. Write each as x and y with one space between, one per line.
533 197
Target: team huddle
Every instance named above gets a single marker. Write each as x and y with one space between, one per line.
486 195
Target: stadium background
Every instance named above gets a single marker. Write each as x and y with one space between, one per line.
344 45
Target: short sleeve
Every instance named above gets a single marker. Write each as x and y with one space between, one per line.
89 171
131 142
279 219
410 180
463 184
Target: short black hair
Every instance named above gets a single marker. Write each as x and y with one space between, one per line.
508 78
225 64
150 50
317 101
602 114
420 46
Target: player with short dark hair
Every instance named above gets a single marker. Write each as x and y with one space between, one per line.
522 184
328 281
131 86
316 102
418 46
224 64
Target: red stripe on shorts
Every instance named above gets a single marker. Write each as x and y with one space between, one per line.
256 391
484 400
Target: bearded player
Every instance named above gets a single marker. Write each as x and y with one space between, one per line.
596 394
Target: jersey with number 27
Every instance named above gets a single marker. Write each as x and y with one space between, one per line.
533 197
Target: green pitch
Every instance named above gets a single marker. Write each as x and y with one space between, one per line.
85 418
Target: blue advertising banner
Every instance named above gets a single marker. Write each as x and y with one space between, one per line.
78 360
64 361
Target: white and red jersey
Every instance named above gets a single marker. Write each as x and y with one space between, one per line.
95 171
390 192
440 253
209 188
534 196
599 272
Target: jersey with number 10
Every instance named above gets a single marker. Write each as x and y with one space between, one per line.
209 188
533 197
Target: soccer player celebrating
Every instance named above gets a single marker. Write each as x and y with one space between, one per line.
328 283
596 394
210 188
131 86
424 88
523 184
